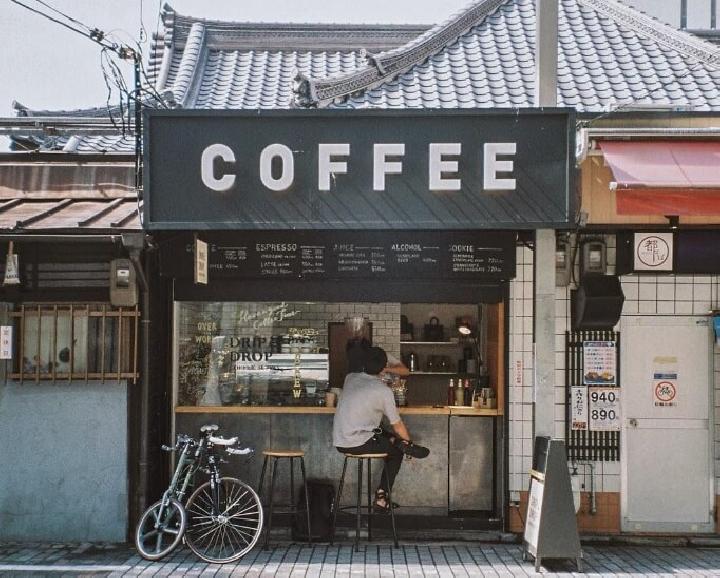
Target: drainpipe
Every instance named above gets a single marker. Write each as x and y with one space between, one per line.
134 243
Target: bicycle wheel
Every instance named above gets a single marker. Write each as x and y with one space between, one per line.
155 537
230 533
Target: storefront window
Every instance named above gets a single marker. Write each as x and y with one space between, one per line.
290 353
270 353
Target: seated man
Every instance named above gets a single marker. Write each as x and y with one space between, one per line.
364 401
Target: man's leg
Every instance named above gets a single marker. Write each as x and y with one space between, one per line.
392 462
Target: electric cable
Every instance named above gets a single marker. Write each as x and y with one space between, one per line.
648 93
70 18
94 34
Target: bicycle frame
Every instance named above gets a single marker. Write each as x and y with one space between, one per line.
184 459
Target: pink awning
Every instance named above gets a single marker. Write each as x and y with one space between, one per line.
665 177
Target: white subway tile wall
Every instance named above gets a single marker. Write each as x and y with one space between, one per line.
644 295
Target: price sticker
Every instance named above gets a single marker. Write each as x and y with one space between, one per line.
604 408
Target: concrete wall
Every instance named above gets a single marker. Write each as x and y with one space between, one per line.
64 461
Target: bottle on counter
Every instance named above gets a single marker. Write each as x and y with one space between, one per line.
459 393
467 394
451 392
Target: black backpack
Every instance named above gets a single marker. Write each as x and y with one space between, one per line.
321 497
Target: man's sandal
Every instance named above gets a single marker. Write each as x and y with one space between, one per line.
413 450
383 508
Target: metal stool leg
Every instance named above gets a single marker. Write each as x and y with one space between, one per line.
358 503
392 510
293 503
307 499
337 501
262 476
369 499
272 496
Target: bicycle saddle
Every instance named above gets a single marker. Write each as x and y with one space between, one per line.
223 442
209 428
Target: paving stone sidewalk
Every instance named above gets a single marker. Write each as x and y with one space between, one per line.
410 560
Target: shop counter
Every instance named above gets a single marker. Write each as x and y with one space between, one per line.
459 474
294 409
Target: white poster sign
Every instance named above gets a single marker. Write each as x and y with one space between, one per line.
201 262
579 408
599 362
653 252
532 523
6 341
604 408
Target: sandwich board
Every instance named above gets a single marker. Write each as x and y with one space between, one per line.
551 526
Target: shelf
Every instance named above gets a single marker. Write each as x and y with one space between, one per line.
430 343
455 373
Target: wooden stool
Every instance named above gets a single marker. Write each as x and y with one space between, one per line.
361 458
292 455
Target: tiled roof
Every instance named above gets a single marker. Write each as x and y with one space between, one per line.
69 215
95 197
609 55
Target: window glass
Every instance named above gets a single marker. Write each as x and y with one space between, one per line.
269 353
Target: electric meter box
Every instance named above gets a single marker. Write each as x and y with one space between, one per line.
594 257
123 284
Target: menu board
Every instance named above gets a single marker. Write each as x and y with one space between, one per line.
424 255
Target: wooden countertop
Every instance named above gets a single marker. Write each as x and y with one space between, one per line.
424 410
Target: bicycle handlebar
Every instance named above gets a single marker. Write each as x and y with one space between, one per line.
185 439
240 451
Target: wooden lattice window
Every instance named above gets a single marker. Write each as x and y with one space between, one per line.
71 341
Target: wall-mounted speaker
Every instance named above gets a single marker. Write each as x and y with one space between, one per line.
597 303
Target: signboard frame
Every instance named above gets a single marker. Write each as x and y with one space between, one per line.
175 198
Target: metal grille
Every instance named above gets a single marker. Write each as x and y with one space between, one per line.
74 341
587 445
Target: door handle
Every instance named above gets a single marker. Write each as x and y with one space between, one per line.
632 422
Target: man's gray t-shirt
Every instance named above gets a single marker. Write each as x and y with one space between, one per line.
363 402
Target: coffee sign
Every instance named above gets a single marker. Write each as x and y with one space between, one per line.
374 169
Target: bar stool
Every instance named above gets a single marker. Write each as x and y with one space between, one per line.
361 459
292 455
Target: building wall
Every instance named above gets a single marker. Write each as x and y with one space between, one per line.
644 295
64 461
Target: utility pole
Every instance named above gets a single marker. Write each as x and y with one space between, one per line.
546 42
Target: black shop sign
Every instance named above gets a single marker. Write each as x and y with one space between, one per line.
378 255
372 169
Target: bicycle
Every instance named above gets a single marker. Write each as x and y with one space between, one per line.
221 520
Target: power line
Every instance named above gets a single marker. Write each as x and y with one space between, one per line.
96 35
70 18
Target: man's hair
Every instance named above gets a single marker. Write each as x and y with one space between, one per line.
356 359
375 360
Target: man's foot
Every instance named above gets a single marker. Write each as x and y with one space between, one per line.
413 450
382 504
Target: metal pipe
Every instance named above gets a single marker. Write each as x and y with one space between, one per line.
593 497
593 503
60 238
134 244
585 135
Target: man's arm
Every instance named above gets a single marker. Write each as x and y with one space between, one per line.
396 367
400 430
